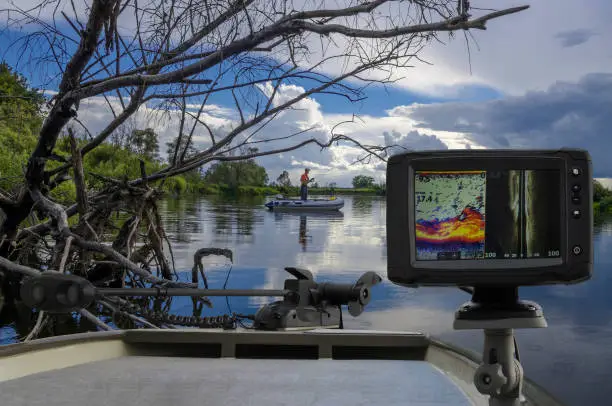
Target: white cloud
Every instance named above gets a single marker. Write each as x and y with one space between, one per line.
522 52
335 164
95 113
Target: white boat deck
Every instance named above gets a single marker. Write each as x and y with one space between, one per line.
187 367
173 381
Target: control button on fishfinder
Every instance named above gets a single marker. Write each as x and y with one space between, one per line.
577 250
576 188
576 214
576 171
576 199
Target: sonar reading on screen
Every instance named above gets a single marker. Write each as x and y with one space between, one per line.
472 215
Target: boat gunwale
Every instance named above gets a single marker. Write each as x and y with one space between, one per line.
39 344
325 339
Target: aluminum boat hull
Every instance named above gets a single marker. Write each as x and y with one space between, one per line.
188 366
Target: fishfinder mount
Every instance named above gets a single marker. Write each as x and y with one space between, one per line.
497 311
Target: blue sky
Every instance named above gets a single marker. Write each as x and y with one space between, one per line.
538 79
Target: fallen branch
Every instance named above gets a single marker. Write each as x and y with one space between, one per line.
58 213
40 323
87 314
7 265
66 252
79 176
198 266
128 314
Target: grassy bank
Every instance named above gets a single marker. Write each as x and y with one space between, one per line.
212 189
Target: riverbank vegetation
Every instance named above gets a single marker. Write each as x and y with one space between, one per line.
602 198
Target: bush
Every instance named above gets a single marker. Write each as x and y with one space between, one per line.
65 193
605 204
176 185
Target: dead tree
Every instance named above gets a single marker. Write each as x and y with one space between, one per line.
171 56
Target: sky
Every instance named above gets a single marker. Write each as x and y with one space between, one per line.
541 78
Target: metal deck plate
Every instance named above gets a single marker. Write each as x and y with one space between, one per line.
171 381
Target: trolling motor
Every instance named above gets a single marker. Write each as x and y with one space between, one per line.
305 303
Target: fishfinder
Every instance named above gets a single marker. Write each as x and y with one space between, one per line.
489 217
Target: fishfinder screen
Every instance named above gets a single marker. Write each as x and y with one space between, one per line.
474 215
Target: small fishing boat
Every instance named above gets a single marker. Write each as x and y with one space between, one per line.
329 204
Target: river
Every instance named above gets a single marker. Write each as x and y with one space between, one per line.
571 358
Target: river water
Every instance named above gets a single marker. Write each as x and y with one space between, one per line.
572 358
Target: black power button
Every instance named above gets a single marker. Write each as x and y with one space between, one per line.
577 250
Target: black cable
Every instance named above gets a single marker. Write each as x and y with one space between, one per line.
227 275
227 299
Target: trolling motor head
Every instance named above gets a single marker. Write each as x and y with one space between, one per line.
309 304
305 303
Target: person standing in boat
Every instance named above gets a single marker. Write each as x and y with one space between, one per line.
304 181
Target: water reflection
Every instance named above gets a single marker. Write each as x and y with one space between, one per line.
362 205
305 236
182 218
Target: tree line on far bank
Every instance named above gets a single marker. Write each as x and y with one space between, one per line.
602 198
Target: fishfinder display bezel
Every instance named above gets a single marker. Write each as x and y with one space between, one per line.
575 230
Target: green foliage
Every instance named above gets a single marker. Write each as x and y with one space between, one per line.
116 162
237 173
20 121
381 188
256 191
176 185
605 204
362 181
602 198
20 106
65 193
599 191
144 142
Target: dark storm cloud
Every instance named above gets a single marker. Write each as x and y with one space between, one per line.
573 38
413 141
577 115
